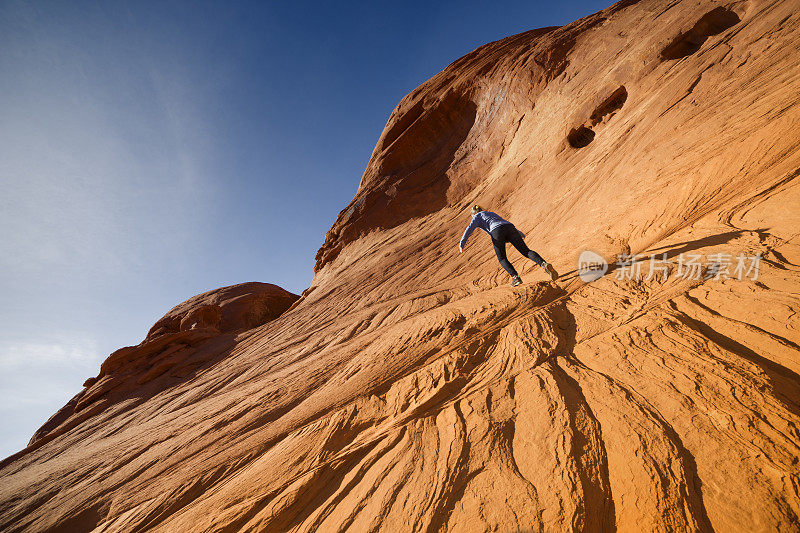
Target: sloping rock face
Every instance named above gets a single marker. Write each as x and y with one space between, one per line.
411 389
179 345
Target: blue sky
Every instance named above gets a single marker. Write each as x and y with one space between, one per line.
150 151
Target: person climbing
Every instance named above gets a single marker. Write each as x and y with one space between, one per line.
502 231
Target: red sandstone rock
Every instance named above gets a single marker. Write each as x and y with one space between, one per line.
229 309
412 389
183 341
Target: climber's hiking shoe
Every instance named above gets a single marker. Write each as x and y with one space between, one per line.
515 280
550 271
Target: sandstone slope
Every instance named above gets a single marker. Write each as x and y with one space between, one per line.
411 389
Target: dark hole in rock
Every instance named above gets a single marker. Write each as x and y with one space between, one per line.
610 105
712 23
580 137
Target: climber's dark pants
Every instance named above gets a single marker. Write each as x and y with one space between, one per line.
508 233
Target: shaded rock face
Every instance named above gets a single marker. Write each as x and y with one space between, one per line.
411 388
409 179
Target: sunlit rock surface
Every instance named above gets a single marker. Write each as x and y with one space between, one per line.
411 389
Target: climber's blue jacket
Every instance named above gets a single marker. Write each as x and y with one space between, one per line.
486 220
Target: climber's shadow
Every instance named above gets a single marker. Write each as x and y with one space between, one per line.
675 250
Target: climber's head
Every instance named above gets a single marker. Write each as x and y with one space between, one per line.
476 209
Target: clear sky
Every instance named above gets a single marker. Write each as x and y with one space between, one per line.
150 151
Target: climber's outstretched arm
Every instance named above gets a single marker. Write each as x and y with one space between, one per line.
472 225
